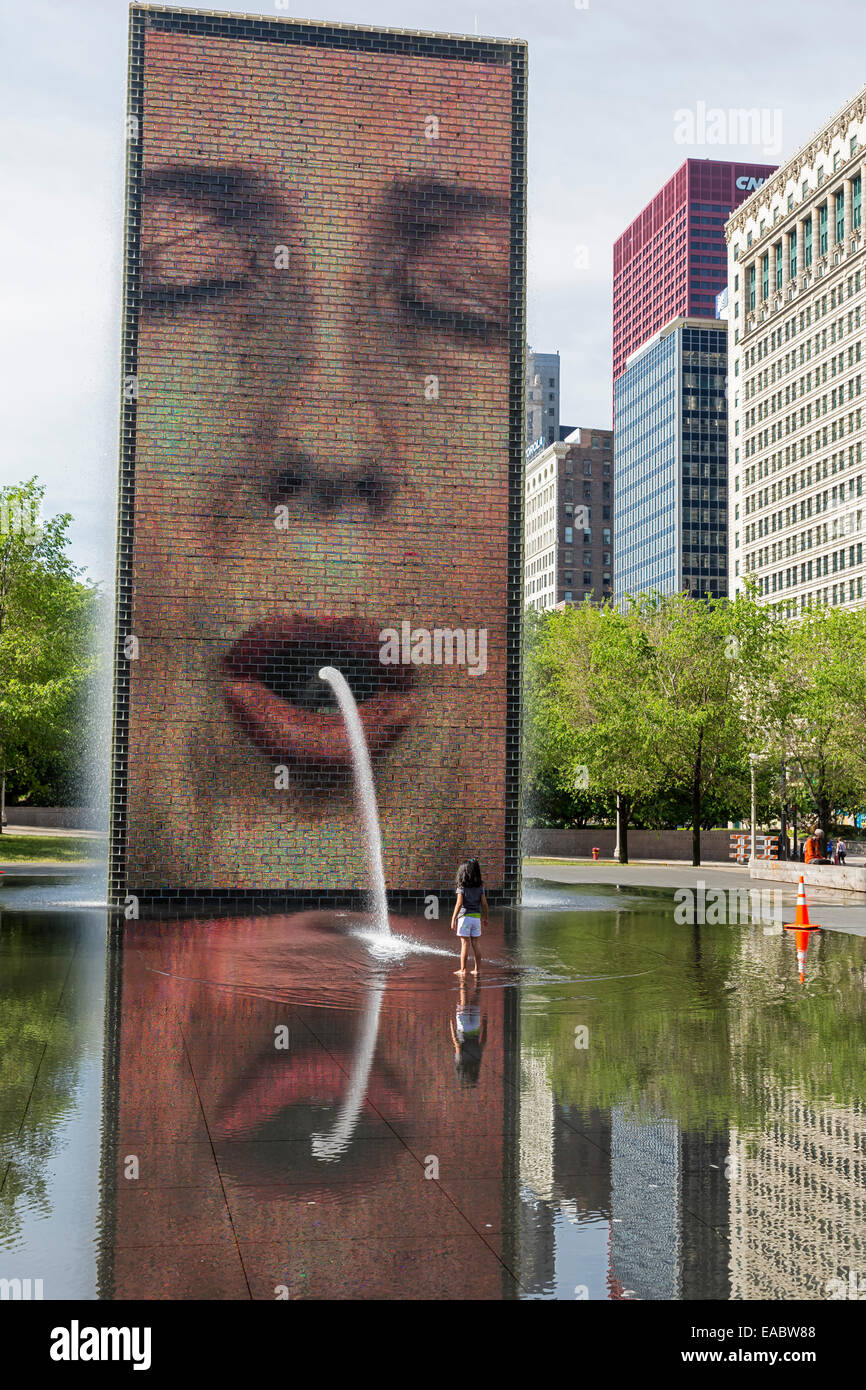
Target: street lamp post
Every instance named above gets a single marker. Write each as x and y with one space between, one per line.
753 761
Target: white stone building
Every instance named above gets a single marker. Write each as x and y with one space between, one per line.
797 362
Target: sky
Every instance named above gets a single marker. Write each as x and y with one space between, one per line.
608 83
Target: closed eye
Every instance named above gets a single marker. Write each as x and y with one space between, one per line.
166 295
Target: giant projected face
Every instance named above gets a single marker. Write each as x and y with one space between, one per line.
321 472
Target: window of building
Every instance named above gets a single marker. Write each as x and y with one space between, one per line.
807 243
779 261
587 579
840 215
853 146
856 210
822 230
792 255
587 468
568 535
605 535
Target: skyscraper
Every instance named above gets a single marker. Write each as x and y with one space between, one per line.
797 326
672 261
542 396
670 463
568 545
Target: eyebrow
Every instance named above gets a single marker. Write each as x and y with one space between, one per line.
421 206
416 207
231 193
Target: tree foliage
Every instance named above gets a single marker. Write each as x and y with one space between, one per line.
47 616
660 705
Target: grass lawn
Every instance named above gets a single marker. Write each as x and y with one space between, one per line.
49 849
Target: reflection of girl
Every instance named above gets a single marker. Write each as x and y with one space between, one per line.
469 1034
469 909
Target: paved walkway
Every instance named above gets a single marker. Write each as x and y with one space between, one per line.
845 912
59 830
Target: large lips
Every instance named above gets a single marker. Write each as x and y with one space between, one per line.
318 1078
274 691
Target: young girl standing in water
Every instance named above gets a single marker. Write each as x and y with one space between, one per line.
470 910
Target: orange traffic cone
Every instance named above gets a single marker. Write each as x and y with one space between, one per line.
801 927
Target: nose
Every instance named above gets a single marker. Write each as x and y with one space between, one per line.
329 436
329 484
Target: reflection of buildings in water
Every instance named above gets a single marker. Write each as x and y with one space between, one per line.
644 1198
661 1193
537 1242
798 1201
564 1185
537 1112
669 1211
797 1194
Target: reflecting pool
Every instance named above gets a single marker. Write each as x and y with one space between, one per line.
273 1107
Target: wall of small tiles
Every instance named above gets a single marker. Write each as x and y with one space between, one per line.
321 460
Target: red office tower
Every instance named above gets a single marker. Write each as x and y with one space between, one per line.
672 261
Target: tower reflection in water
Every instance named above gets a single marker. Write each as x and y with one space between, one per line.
294 1120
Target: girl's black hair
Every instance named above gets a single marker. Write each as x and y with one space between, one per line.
468 1064
469 875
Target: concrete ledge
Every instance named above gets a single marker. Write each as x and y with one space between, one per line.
845 877
56 818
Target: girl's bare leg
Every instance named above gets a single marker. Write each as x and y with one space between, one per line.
464 951
476 949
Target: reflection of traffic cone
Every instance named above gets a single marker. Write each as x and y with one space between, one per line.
801 926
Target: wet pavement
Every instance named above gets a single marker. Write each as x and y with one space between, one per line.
629 1106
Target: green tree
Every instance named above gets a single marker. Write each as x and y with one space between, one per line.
46 649
813 714
697 656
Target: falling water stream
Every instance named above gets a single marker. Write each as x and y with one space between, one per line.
366 793
331 1146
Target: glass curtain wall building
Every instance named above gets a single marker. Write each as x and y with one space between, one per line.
670 463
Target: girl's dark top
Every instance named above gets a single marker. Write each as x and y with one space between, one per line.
472 895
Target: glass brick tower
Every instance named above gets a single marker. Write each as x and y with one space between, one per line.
672 261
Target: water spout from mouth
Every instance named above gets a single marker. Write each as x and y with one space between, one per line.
366 793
